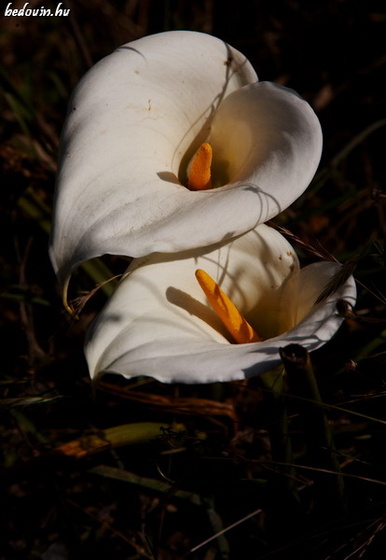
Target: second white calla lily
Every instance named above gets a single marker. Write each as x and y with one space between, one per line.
159 323
134 123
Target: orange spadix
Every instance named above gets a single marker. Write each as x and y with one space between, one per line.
199 172
231 317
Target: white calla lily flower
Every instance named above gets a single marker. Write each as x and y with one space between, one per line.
134 123
159 323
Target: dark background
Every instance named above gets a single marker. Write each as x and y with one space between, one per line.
218 444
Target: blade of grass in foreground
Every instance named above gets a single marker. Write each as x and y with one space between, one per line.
118 436
154 485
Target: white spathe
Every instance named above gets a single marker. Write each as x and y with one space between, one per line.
158 323
135 120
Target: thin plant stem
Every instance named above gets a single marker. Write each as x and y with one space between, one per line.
320 447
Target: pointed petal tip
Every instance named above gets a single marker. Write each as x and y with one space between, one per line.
64 278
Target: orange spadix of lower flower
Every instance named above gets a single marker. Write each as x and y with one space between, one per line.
199 172
237 326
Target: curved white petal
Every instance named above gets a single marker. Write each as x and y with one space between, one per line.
270 142
159 324
133 123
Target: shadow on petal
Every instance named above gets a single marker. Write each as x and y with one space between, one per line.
194 307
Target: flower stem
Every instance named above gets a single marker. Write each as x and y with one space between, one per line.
321 451
284 486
